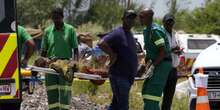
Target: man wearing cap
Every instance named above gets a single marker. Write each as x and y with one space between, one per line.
59 42
120 46
158 51
168 23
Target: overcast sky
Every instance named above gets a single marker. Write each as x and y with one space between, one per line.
160 6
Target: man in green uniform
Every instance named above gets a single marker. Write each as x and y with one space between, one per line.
25 39
59 42
158 51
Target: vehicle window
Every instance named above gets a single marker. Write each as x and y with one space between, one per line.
200 43
2 10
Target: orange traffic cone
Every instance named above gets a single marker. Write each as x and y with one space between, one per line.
202 102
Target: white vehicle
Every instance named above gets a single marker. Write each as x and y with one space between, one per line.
193 44
209 60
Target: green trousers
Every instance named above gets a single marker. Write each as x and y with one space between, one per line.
58 92
153 87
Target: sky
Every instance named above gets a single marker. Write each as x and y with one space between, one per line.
160 6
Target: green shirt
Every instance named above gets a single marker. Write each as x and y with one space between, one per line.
59 43
23 36
154 38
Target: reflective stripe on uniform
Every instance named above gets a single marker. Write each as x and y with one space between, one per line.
54 105
65 106
151 97
160 41
68 88
202 99
52 87
6 52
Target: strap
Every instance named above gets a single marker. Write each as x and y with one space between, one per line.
54 105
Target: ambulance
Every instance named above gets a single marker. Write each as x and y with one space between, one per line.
10 83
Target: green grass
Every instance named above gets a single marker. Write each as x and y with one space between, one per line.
180 104
102 95
92 28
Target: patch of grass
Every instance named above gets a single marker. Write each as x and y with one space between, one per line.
180 104
135 99
103 95
91 28
98 94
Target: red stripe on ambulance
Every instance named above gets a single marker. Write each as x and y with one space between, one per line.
3 40
11 66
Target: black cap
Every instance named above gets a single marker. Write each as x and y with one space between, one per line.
168 17
130 13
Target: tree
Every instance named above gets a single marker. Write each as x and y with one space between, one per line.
108 13
201 20
35 12
173 7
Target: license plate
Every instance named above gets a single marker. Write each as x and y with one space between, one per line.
214 95
5 89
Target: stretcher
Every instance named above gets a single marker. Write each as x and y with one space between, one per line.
78 75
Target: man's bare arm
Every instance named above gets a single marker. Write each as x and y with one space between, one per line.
30 50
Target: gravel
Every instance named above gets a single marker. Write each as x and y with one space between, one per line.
38 101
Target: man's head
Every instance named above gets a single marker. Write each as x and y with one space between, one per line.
146 16
57 16
168 22
128 19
